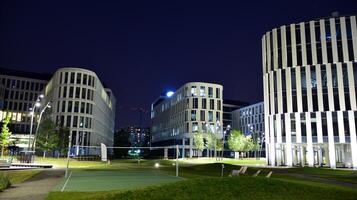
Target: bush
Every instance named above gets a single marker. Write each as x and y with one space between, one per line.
4 182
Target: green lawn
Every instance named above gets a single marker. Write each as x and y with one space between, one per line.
217 188
19 176
99 180
126 179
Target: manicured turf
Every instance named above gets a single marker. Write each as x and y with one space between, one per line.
217 189
126 179
97 180
19 176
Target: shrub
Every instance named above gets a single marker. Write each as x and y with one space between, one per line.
4 182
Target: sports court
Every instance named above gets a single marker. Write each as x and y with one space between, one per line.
94 180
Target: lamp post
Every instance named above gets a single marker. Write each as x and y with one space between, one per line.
36 104
224 137
38 125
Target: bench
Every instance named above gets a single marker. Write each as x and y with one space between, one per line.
241 171
4 164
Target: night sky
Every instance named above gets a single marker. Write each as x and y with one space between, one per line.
141 49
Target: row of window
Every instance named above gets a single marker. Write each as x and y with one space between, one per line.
332 51
252 119
201 91
75 92
252 128
21 95
251 110
17 106
334 80
73 121
22 84
195 102
81 138
202 116
316 125
203 127
75 107
77 78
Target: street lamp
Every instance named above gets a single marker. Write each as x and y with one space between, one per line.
224 137
38 124
36 105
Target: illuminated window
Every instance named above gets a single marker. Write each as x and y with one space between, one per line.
202 91
193 91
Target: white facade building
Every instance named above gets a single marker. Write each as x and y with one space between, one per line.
82 104
194 107
310 77
249 119
19 91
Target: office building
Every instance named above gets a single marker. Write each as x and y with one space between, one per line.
81 103
177 116
19 91
138 136
250 120
310 77
228 107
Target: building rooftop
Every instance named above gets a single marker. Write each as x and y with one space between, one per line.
25 74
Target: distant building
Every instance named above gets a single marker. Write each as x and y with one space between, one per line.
228 107
19 91
81 103
250 120
194 107
138 136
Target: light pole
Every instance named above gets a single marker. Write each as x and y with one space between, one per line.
224 137
36 104
38 125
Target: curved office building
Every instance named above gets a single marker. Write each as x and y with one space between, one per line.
82 104
310 77
178 116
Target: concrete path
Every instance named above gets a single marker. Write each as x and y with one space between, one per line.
35 188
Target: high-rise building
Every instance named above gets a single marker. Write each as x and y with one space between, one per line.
81 103
194 107
138 135
310 77
19 91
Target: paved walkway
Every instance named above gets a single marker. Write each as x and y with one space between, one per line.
35 188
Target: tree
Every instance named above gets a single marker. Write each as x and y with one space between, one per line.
5 133
198 141
236 142
47 139
256 145
63 134
211 141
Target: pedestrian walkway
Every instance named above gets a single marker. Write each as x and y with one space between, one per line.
35 188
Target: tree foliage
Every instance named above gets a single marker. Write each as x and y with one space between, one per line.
211 140
236 141
219 145
198 141
5 133
239 143
63 135
47 138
